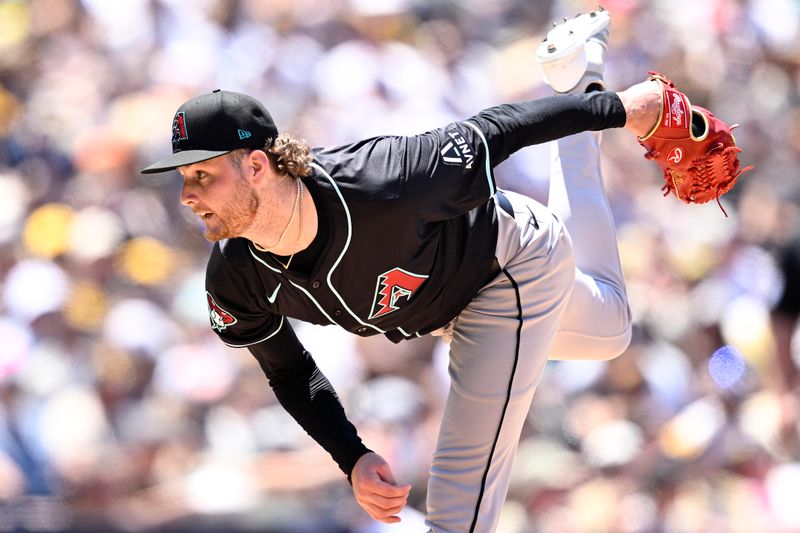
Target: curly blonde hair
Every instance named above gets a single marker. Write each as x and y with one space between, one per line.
290 156
287 155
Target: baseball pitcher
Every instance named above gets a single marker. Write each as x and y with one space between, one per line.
409 236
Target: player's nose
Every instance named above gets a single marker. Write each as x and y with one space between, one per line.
188 195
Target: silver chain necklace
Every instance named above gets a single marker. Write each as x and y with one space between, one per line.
298 206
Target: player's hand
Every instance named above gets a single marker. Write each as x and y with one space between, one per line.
376 490
642 103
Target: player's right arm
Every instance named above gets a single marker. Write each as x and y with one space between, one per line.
307 395
241 316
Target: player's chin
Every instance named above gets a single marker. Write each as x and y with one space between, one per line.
216 232
212 236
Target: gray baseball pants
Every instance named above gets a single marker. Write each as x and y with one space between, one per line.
560 294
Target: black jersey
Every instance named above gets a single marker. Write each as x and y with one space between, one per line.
409 238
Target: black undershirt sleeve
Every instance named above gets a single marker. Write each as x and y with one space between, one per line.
509 127
239 315
307 395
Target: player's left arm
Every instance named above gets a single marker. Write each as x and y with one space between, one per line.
510 127
449 171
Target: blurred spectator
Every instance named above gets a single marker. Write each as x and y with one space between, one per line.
786 323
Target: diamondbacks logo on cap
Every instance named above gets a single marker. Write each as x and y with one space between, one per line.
220 318
179 132
391 287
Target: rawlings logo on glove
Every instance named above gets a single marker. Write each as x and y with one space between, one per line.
695 149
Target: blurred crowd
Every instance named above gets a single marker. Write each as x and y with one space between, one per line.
121 411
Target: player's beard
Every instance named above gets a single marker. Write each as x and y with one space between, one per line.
236 216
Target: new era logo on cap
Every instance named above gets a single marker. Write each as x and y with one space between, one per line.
244 134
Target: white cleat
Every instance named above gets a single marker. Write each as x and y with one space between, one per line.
573 53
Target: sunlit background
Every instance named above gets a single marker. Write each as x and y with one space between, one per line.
121 411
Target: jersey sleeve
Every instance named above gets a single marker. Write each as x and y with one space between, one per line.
233 293
448 171
442 173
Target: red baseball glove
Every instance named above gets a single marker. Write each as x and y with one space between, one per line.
696 149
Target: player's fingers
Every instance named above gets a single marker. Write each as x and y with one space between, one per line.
381 512
381 502
382 491
388 490
394 510
384 515
380 507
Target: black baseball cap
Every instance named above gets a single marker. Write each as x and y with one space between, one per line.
215 124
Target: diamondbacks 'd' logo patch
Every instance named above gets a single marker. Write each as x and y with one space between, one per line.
393 286
220 318
179 132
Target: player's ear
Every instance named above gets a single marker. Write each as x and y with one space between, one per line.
257 167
